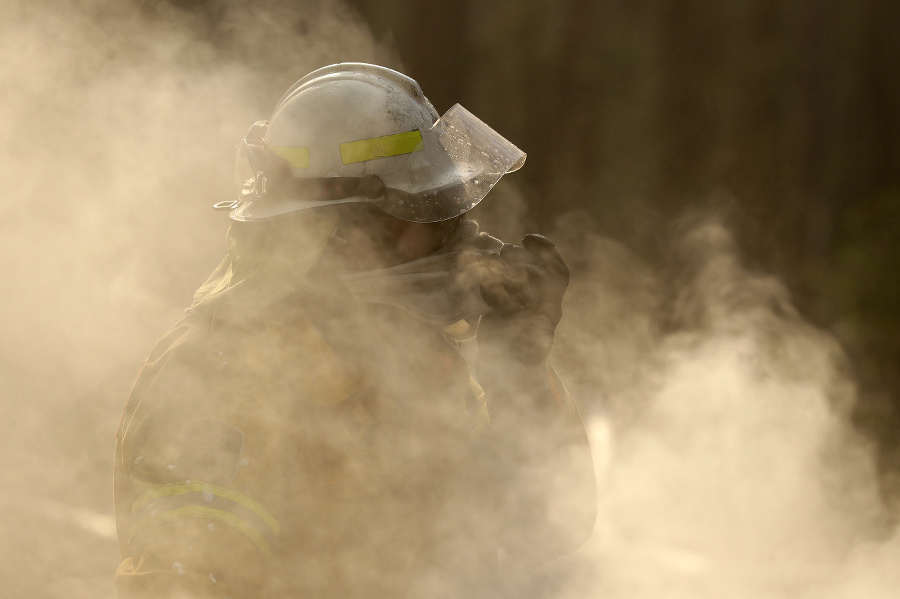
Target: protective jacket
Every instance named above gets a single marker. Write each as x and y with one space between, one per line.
302 444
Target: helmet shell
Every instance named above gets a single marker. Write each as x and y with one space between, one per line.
344 103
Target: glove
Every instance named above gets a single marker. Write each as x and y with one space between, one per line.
525 295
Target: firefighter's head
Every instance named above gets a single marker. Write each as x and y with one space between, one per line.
363 143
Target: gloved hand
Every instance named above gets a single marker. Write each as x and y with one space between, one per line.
533 433
525 296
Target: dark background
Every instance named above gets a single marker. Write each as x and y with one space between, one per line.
780 117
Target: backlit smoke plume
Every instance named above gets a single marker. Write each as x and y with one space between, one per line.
119 125
726 463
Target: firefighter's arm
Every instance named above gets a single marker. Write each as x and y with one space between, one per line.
541 452
191 537
221 564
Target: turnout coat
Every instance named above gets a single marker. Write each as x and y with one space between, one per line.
312 446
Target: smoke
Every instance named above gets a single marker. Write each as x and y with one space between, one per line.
719 418
720 425
119 124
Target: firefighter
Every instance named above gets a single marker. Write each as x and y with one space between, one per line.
357 403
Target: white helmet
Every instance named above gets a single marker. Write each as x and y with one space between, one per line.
355 132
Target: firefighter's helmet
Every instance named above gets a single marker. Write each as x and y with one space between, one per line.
355 132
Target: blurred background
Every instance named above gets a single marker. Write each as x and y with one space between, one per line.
700 164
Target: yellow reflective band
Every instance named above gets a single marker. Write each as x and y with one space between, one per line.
296 157
199 511
381 147
198 487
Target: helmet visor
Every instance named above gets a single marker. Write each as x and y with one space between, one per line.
462 160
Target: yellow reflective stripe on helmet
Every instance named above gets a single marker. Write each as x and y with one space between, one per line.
381 147
199 511
297 157
199 487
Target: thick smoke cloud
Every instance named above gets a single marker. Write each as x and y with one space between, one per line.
120 121
718 416
729 465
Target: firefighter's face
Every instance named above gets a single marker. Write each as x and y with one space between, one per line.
372 239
